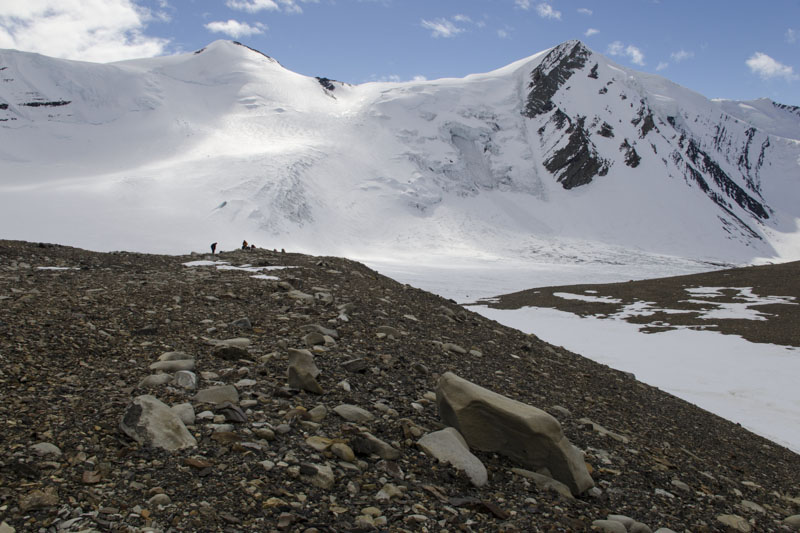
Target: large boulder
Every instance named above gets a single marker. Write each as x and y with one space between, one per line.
529 436
151 423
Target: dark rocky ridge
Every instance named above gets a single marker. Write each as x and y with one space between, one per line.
75 344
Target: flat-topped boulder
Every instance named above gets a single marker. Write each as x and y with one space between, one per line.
491 422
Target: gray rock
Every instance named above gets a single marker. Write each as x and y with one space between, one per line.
448 446
321 330
343 451
185 412
793 521
173 366
353 413
5 528
681 485
493 423
218 395
356 365
608 526
318 475
300 296
735 522
174 356
389 331
303 372
160 499
368 444
313 339
318 413
665 530
46 448
151 423
154 380
752 506
239 342
603 431
230 353
639 527
243 323
622 519
232 413
545 482
185 379
452 347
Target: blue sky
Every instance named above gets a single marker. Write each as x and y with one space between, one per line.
723 49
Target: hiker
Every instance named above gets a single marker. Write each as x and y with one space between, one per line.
245 245
252 246
213 248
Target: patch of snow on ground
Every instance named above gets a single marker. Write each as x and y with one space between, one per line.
752 384
585 298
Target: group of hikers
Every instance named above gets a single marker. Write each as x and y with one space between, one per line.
245 246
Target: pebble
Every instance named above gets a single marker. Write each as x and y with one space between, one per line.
160 499
185 412
218 395
735 522
173 366
185 379
353 413
388 491
609 526
793 521
343 452
46 448
154 380
5 528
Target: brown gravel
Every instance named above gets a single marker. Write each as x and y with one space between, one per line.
782 324
75 343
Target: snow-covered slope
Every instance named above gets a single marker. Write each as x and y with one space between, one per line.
560 156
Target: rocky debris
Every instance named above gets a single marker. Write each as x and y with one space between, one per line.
173 366
230 352
793 522
491 422
46 448
73 361
735 522
448 446
151 423
303 371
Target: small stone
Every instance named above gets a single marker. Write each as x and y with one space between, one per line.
753 506
174 356
303 371
232 413
244 383
364 522
389 331
218 395
243 323
356 365
735 522
230 353
264 433
322 475
448 446
319 443
313 339
150 422
5 528
353 413
389 491
173 366
160 499
639 527
318 413
452 347
793 521
681 485
545 482
38 499
46 448
371 511
154 380
367 444
608 526
186 379
622 519
343 452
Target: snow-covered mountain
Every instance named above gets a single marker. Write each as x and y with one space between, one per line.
564 154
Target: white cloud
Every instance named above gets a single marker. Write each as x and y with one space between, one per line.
681 55
462 18
89 30
546 11
661 66
584 11
791 36
767 68
523 4
590 32
631 52
254 6
236 29
503 34
441 27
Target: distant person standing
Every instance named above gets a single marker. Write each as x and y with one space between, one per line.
245 246
213 248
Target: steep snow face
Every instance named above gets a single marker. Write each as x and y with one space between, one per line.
558 154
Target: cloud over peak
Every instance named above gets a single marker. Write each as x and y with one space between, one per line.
631 52
767 68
